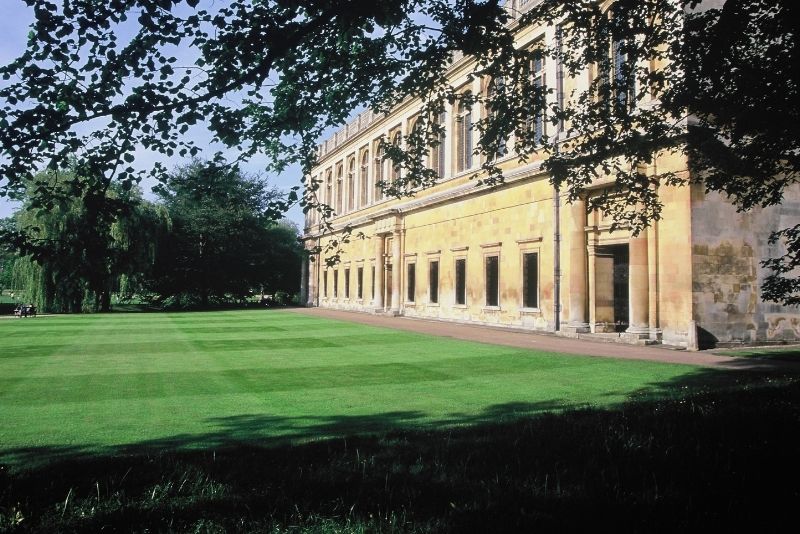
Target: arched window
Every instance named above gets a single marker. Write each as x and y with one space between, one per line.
364 178
463 136
437 150
339 188
395 177
378 174
329 188
494 89
351 185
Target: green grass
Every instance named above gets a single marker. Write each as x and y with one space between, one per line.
788 353
98 383
271 421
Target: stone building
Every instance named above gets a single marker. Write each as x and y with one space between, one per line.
518 255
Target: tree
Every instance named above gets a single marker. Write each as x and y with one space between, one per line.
271 76
223 242
73 256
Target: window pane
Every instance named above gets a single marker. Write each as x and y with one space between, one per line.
530 280
373 281
461 281
335 283
433 277
492 282
360 282
411 282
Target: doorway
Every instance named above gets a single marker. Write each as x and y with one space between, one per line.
612 290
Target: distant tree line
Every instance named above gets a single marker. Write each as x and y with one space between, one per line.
210 237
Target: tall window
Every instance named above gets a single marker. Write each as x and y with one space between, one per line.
335 283
496 87
463 137
347 283
339 189
433 282
624 80
395 177
492 281
364 178
373 282
411 282
378 174
437 152
360 283
536 120
329 188
530 280
325 283
461 281
351 185
560 76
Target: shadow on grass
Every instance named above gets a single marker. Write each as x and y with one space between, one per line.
711 449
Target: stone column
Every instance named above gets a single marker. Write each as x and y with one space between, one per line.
397 266
639 285
379 252
304 281
576 226
313 276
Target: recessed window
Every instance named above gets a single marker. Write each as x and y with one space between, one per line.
433 285
325 283
492 281
335 283
373 282
464 135
347 283
461 281
360 282
530 280
411 282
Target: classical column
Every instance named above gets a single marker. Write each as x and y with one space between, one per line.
639 285
576 226
379 252
304 281
396 268
312 282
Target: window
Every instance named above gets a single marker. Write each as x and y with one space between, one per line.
351 185
329 189
437 151
325 283
433 282
339 188
536 121
396 139
530 280
624 81
492 281
461 281
347 283
560 76
378 174
463 136
495 87
335 283
360 283
411 282
364 179
373 282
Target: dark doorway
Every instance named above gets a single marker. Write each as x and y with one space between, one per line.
621 295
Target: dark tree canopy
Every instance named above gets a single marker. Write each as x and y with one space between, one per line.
270 76
222 243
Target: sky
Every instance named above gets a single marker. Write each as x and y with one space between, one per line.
15 19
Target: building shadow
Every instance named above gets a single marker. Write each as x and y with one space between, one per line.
709 449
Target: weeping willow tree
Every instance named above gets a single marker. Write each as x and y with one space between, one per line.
85 246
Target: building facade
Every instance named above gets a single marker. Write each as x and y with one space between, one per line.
518 255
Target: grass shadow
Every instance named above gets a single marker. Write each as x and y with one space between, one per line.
711 449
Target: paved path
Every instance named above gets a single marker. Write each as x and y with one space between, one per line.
551 343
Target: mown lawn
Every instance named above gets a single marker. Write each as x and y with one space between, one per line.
98 383
272 421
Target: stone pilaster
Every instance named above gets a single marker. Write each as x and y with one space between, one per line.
397 266
639 286
577 286
379 263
